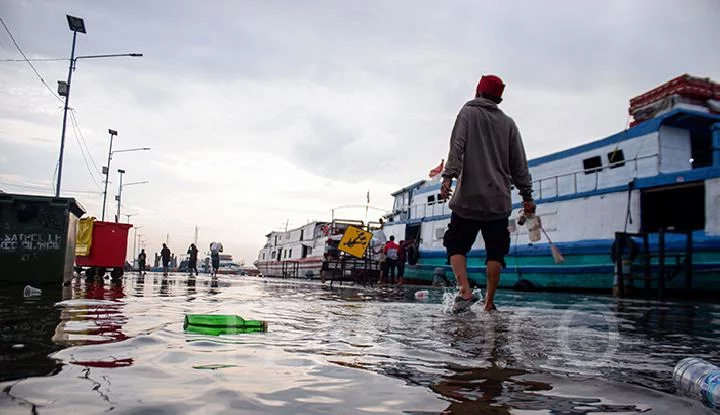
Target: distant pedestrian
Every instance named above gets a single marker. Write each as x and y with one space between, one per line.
215 249
142 257
391 256
165 255
401 258
192 262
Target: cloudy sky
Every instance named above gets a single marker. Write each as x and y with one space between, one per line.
262 113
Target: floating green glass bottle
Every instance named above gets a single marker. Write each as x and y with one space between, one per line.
218 324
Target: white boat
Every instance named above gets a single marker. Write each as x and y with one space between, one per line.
658 181
298 252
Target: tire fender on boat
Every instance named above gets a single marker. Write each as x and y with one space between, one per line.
627 248
413 255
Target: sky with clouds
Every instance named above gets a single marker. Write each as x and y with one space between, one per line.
266 113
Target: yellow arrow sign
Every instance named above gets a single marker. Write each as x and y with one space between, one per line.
355 241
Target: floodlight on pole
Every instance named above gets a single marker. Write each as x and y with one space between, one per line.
76 24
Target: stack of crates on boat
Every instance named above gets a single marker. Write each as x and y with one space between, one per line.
688 91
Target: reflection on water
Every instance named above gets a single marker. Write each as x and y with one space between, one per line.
100 346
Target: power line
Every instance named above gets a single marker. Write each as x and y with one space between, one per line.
28 61
82 152
34 60
73 117
23 186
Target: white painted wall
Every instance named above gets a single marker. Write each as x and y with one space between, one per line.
712 207
595 217
675 149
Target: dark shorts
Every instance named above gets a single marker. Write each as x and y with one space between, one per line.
215 261
461 235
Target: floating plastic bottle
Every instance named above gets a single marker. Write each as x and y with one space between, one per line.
699 379
422 294
218 324
533 226
31 291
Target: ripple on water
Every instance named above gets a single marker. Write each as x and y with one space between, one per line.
122 347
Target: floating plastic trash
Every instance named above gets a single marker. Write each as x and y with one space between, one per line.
422 295
219 324
31 291
699 379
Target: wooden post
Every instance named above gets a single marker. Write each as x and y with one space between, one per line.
647 273
619 266
688 264
661 260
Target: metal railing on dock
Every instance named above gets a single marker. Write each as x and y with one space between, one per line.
621 239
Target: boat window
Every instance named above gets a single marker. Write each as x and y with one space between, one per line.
431 200
273 254
263 256
701 148
616 158
439 199
290 254
592 164
302 233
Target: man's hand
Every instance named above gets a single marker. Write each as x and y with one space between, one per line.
446 188
529 207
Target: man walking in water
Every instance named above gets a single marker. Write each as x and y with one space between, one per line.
192 261
165 255
141 261
215 249
486 157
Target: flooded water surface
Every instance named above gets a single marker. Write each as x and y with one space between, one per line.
99 347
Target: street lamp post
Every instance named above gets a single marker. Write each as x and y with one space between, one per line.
76 25
106 170
128 215
135 228
119 195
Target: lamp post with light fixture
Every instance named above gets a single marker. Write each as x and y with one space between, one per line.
76 25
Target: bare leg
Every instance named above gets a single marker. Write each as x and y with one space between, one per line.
459 267
493 278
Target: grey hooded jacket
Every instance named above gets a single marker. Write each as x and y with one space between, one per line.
487 157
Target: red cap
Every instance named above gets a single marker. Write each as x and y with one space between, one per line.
491 85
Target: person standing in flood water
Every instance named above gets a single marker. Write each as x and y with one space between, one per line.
486 157
142 257
215 249
165 255
192 261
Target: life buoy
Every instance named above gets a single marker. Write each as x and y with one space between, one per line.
627 248
413 255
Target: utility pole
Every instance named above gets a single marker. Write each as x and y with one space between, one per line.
119 196
106 171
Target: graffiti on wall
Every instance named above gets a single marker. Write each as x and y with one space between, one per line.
30 242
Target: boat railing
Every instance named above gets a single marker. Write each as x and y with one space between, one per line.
565 184
553 186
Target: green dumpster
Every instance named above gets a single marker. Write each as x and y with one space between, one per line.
37 238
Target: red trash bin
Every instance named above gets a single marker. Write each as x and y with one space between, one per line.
108 248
